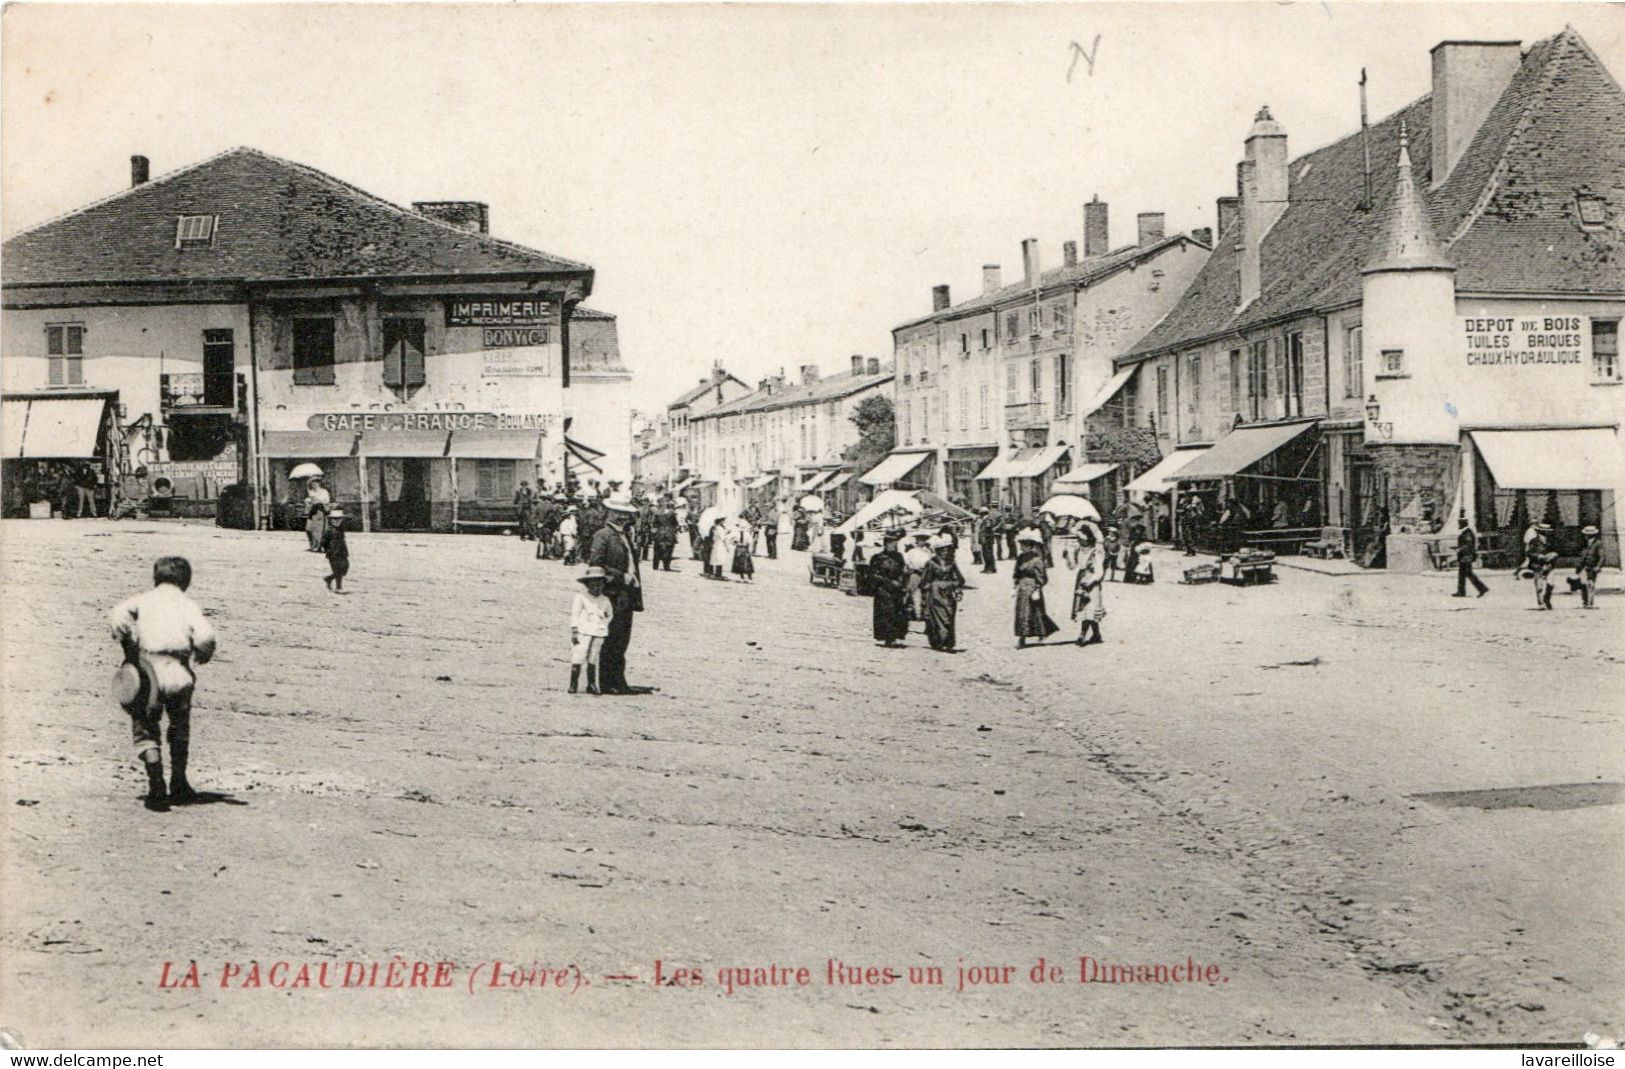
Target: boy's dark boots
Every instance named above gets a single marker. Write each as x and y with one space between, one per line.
157 794
180 791
575 677
592 679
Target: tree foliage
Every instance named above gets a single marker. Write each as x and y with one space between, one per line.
877 432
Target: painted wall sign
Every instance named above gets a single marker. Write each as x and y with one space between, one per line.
1525 341
512 337
504 363
430 421
500 311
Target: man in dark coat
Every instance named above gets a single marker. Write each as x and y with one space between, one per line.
612 551
770 530
644 530
1466 554
664 528
522 501
888 577
987 537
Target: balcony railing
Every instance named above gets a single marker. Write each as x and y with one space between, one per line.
186 391
1028 415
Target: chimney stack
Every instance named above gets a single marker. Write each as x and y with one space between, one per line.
1096 238
138 171
1229 212
1150 224
1029 260
990 278
1069 253
939 298
1203 235
857 365
809 374
874 365
470 215
1263 177
1468 78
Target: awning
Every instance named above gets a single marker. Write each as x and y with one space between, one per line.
761 481
404 444
838 481
1588 458
894 467
1108 391
681 486
53 428
1024 463
1084 474
496 445
1239 450
308 445
1155 481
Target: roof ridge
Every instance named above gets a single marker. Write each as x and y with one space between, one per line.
127 191
1492 184
357 191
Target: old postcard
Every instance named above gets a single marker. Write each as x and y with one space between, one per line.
800 525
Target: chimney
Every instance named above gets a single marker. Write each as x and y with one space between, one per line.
1096 239
719 374
1069 253
470 215
809 374
1151 224
1263 177
857 365
1203 235
990 278
138 171
766 385
874 365
1229 212
1468 78
1029 260
939 299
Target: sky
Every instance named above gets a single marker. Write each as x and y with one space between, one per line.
761 186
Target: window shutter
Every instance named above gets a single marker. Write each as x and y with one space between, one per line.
325 374
392 365
56 372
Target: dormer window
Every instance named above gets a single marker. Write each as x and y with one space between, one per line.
1592 208
195 231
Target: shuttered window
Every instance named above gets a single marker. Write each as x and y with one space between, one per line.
313 352
403 352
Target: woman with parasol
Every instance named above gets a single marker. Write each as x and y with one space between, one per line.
317 503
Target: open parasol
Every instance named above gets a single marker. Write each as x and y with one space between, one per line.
306 471
1072 505
812 503
711 516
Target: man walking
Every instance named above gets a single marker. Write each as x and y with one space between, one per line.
1466 554
612 552
770 530
987 538
1590 565
665 535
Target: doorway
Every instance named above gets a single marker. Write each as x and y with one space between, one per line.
405 502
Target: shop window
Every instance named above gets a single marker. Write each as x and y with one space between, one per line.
403 352
1354 362
1605 350
313 352
195 231
65 353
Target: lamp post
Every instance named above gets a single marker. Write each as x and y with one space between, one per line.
1373 415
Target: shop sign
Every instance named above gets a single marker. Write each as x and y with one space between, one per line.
504 363
512 337
500 310
430 421
1525 341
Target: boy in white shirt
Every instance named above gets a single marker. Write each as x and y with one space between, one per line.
162 632
589 626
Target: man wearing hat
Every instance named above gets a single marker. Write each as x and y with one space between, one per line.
664 527
336 550
1590 565
611 551
916 557
888 576
1542 559
1466 554
987 537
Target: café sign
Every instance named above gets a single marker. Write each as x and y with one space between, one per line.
1525 341
429 421
501 310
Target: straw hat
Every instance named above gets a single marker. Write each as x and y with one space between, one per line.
620 502
591 573
1590 529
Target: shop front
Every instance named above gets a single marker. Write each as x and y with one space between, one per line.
963 464
1025 476
903 469
1099 482
487 468
1261 485
334 452
53 444
1568 477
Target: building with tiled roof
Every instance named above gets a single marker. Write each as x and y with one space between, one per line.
718 387
992 393
248 314
784 434
1432 336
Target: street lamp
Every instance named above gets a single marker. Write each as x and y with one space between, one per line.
1373 410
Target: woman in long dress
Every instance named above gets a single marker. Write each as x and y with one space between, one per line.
720 551
743 565
1030 576
888 578
317 502
941 583
1089 588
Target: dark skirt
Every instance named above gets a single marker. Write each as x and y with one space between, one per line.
743 565
890 616
941 607
800 540
1032 621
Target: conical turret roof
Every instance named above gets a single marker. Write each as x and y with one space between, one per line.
1405 241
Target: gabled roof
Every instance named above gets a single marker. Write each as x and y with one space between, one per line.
689 396
278 220
1506 215
1083 273
831 389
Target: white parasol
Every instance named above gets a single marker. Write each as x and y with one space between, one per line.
711 516
812 503
305 471
1080 508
